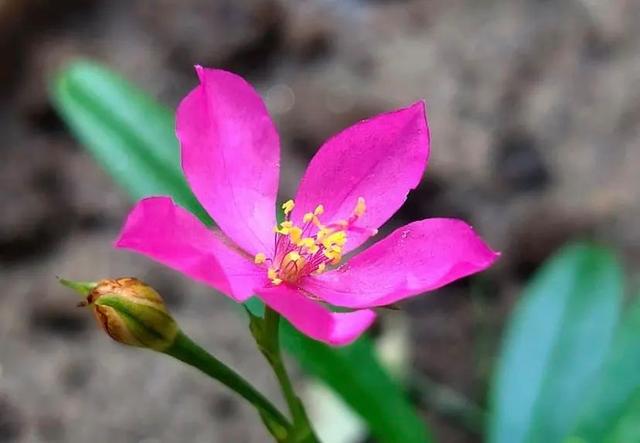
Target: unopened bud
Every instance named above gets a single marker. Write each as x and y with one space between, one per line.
132 313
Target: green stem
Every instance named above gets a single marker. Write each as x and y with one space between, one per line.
270 346
189 352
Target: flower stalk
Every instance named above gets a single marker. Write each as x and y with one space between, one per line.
189 352
266 333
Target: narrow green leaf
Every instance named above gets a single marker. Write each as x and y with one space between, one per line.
356 374
129 134
615 400
132 137
555 345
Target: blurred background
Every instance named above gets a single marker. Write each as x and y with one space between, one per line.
534 112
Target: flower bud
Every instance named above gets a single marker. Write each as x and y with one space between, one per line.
132 313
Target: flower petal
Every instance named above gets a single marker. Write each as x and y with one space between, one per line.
380 159
230 156
313 319
169 234
418 257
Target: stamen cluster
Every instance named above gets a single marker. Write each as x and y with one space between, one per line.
307 249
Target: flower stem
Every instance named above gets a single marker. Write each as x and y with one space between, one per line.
269 344
189 352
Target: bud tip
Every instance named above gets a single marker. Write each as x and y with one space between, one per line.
81 287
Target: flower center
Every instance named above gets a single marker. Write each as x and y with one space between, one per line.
309 248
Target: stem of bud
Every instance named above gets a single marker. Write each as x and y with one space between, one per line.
187 351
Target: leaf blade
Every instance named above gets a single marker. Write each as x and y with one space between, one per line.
614 402
128 134
555 344
368 389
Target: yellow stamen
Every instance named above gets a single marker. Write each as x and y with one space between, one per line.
306 242
259 258
333 252
309 244
283 228
337 238
288 206
334 255
273 276
295 233
297 256
323 233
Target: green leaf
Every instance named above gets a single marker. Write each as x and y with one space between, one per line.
132 137
356 374
129 134
614 402
627 426
556 342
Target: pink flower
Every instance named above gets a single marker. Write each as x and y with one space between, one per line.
356 181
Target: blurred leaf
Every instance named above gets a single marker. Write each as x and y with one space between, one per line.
129 134
613 408
355 373
132 137
627 426
623 426
555 345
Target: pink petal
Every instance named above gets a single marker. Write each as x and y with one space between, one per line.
230 156
380 159
313 319
418 257
165 232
